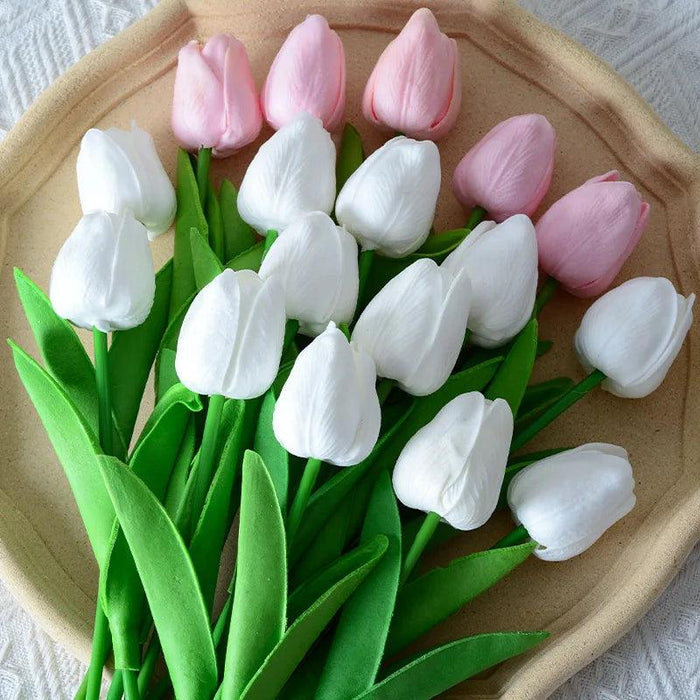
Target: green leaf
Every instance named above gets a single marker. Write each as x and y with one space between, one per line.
178 478
350 155
189 215
169 579
249 259
271 452
165 374
357 648
298 639
539 397
76 446
434 596
204 261
543 347
511 380
260 597
216 225
439 669
238 235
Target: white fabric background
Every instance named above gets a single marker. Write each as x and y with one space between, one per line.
655 45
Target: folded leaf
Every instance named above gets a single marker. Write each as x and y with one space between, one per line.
539 397
271 452
249 259
216 225
238 236
204 261
165 374
178 479
350 155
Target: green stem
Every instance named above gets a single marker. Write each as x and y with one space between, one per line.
82 689
116 688
427 529
104 398
517 536
384 388
545 294
365 267
100 650
131 686
569 399
203 161
270 237
475 218
296 512
149 663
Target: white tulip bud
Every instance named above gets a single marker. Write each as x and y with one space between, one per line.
103 276
315 262
120 170
388 203
501 262
567 501
414 328
328 408
454 465
633 334
231 339
292 173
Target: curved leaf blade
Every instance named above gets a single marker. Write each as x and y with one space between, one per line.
238 236
204 261
249 259
350 155
271 452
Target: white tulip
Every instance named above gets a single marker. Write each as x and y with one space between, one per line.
120 170
501 262
103 276
567 501
328 408
388 203
315 262
414 328
231 339
292 173
633 334
454 465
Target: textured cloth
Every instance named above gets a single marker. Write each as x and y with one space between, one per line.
654 44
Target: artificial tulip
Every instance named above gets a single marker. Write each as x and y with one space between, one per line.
415 87
292 174
454 466
103 277
501 263
509 171
585 237
328 409
307 75
315 262
231 339
388 203
215 103
567 501
633 334
414 328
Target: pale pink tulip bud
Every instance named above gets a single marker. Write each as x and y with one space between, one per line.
508 172
215 104
415 87
585 237
307 75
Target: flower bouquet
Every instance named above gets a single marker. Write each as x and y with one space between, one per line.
337 385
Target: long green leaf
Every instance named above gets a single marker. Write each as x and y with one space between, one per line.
204 261
350 155
216 225
260 597
539 397
248 259
165 374
238 236
178 479
276 458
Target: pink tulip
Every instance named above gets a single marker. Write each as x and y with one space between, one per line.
307 75
215 104
415 87
585 237
508 172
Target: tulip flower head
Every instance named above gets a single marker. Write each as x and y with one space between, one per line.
509 171
231 338
633 334
454 465
567 501
307 75
103 275
415 87
501 263
292 174
414 328
315 262
120 171
215 103
585 237
388 203
328 408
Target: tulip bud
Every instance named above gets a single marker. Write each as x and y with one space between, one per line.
328 408
509 171
633 334
414 328
103 276
388 203
315 262
307 75
567 501
585 237
415 87
454 465
501 263
231 339
292 174
215 104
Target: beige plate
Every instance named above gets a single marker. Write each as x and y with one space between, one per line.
511 64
